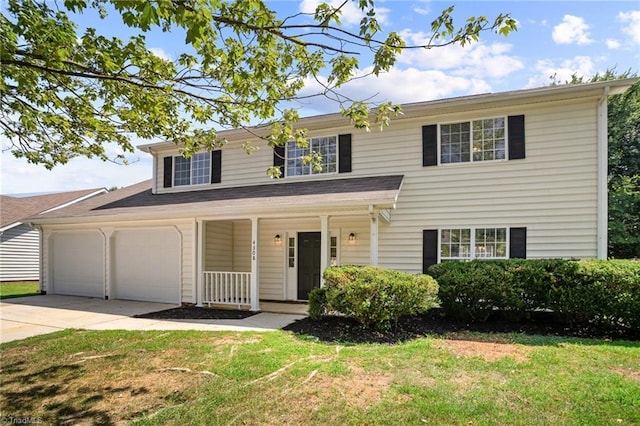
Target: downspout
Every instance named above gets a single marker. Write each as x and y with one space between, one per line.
602 177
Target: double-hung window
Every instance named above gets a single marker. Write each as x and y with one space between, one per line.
325 147
192 171
473 243
476 140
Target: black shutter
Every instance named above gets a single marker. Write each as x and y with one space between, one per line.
516 137
344 153
216 166
429 249
430 145
278 158
168 172
518 241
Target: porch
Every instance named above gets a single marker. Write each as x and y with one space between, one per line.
272 242
271 264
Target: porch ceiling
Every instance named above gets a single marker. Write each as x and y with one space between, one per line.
137 202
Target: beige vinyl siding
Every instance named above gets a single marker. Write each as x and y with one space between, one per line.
218 247
552 192
358 252
272 257
20 254
228 246
242 246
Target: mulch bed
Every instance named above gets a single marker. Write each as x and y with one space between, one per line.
192 313
433 323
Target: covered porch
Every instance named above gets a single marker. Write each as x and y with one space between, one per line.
278 254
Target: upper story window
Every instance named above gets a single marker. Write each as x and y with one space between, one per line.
473 243
326 147
476 140
192 171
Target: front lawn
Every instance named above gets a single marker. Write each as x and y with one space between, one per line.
159 377
18 289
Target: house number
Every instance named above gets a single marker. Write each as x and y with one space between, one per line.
253 250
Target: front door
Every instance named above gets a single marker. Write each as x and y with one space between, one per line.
308 263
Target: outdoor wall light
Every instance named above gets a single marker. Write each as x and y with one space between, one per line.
352 238
277 239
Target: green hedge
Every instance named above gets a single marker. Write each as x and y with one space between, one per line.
604 291
376 297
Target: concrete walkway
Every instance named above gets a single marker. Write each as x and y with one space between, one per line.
31 316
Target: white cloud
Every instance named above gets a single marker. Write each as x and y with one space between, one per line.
399 86
632 24
572 30
478 60
160 53
19 177
582 66
351 14
613 44
422 8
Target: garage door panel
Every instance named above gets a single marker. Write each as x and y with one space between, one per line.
147 265
77 263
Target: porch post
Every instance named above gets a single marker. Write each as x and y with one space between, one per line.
255 278
200 263
324 246
107 233
373 239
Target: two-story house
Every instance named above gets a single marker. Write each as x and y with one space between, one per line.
506 175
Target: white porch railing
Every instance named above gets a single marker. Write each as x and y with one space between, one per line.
227 288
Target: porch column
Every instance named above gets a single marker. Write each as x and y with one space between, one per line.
324 246
373 239
255 277
199 231
107 234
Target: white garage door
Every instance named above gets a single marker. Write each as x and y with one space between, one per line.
146 265
77 263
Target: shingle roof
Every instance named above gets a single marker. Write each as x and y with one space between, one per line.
15 209
137 200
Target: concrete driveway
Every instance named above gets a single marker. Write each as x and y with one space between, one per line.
31 316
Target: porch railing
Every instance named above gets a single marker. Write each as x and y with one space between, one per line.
227 288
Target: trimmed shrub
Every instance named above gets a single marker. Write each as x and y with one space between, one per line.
606 292
378 297
317 303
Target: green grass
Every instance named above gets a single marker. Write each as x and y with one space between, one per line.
18 289
188 377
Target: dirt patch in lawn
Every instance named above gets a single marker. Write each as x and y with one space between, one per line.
489 351
358 389
629 373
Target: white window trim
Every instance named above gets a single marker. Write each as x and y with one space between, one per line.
286 157
471 161
175 163
472 243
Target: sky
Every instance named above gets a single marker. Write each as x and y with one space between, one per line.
554 38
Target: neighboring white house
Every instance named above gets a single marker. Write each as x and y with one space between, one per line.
515 174
19 241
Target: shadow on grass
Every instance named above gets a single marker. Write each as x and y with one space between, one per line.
46 391
25 294
541 330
